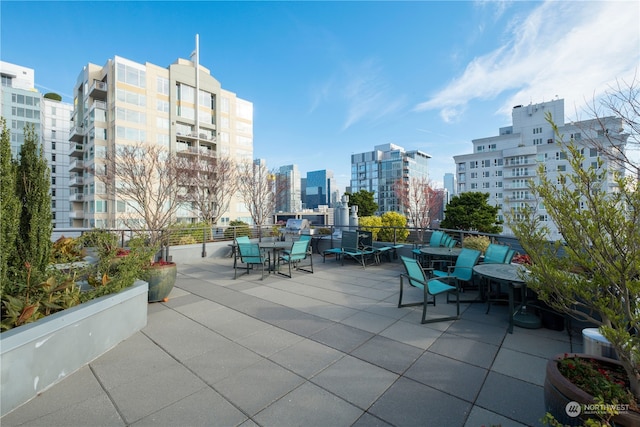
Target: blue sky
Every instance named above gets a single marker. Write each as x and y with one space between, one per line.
329 79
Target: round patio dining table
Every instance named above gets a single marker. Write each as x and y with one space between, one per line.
512 276
276 247
439 253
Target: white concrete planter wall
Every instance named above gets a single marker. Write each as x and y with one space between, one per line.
35 356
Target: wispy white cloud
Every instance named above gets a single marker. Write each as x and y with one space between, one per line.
361 89
574 50
368 94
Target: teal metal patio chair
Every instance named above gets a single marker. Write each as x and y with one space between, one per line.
294 256
496 254
234 249
436 239
462 270
417 277
251 254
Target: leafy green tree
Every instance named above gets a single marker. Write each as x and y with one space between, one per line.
397 220
9 204
593 273
365 202
472 211
33 243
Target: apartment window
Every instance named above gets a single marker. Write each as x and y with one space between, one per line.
474 185
486 163
53 180
53 169
162 85
544 217
473 165
7 81
53 158
480 148
561 155
537 130
593 152
601 133
162 106
131 75
461 167
485 185
499 184
486 174
498 195
474 175
498 173
498 162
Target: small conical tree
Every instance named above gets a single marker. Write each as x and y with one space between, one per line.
9 204
33 244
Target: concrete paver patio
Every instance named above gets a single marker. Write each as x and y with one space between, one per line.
323 349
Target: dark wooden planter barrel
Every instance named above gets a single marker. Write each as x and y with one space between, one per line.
161 279
559 392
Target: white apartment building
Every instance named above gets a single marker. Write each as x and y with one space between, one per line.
22 104
503 165
125 102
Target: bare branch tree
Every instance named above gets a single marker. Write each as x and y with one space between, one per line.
420 201
145 177
256 187
615 128
210 183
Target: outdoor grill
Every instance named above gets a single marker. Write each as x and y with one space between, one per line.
295 227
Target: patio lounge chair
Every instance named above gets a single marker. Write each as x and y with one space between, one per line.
298 253
416 277
250 254
352 248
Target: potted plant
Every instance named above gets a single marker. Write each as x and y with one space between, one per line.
593 272
161 276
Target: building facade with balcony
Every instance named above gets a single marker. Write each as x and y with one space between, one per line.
22 104
503 165
125 102
379 171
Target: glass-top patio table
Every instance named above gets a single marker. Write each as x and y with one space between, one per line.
276 247
512 276
439 253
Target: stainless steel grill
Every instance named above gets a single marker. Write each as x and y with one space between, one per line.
296 227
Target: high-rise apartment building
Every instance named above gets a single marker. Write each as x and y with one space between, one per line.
502 165
382 169
125 102
22 104
288 191
319 186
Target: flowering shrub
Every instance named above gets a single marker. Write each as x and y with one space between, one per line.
608 382
521 259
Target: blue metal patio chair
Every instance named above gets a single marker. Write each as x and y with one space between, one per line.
250 254
416 277
298 253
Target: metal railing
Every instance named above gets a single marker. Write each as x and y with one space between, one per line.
191 234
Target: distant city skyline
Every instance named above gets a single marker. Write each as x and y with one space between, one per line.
329 79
